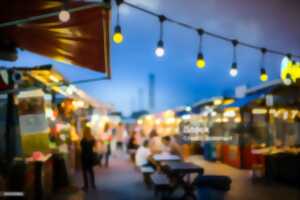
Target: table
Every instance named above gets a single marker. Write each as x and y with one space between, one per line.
159 160
177 171
184 168
166 157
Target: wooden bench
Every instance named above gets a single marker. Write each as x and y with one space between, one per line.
161 184
147 171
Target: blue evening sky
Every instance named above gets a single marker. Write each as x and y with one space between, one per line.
178 80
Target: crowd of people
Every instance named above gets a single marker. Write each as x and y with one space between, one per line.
96 150
149 146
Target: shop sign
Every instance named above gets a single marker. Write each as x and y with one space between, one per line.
198 131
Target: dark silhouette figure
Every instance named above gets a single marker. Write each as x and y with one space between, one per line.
87 157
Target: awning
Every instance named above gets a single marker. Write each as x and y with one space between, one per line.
82 41
241 102
56 82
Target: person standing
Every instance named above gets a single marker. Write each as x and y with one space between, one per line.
132 145
87 144
106 139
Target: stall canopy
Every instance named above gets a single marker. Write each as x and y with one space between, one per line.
56 82
241 102
253 94
82 41
213 102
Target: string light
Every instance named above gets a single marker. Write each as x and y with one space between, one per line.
118 37
160 51
234 69
200 62
263 74
64 15
288 80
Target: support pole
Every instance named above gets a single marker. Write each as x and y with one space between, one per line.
9 145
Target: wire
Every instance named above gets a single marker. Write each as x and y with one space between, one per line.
50 14
214 35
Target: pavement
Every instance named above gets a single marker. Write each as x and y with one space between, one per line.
244 187
122 181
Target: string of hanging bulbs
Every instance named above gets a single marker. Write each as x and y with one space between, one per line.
200 59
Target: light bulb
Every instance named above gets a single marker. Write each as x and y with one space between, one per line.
64 16
233 71
160 51
263 75
288 80
118 37
200 63
188 109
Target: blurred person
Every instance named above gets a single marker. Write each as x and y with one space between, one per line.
155 143
142 154
171 146
106 138
140 137
87 144
120 136
132 145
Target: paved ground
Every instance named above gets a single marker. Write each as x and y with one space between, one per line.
243 188
121 181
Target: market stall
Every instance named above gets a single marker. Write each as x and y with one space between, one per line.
48 129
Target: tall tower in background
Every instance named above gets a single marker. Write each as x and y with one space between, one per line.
141 100
151 100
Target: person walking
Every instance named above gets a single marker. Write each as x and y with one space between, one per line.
87 145
120 137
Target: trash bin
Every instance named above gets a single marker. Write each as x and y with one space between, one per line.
209 151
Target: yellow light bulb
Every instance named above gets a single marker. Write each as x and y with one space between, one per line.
263 77
118 38
200 63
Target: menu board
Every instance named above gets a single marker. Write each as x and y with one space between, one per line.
33 123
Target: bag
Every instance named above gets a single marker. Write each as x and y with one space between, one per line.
96 159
